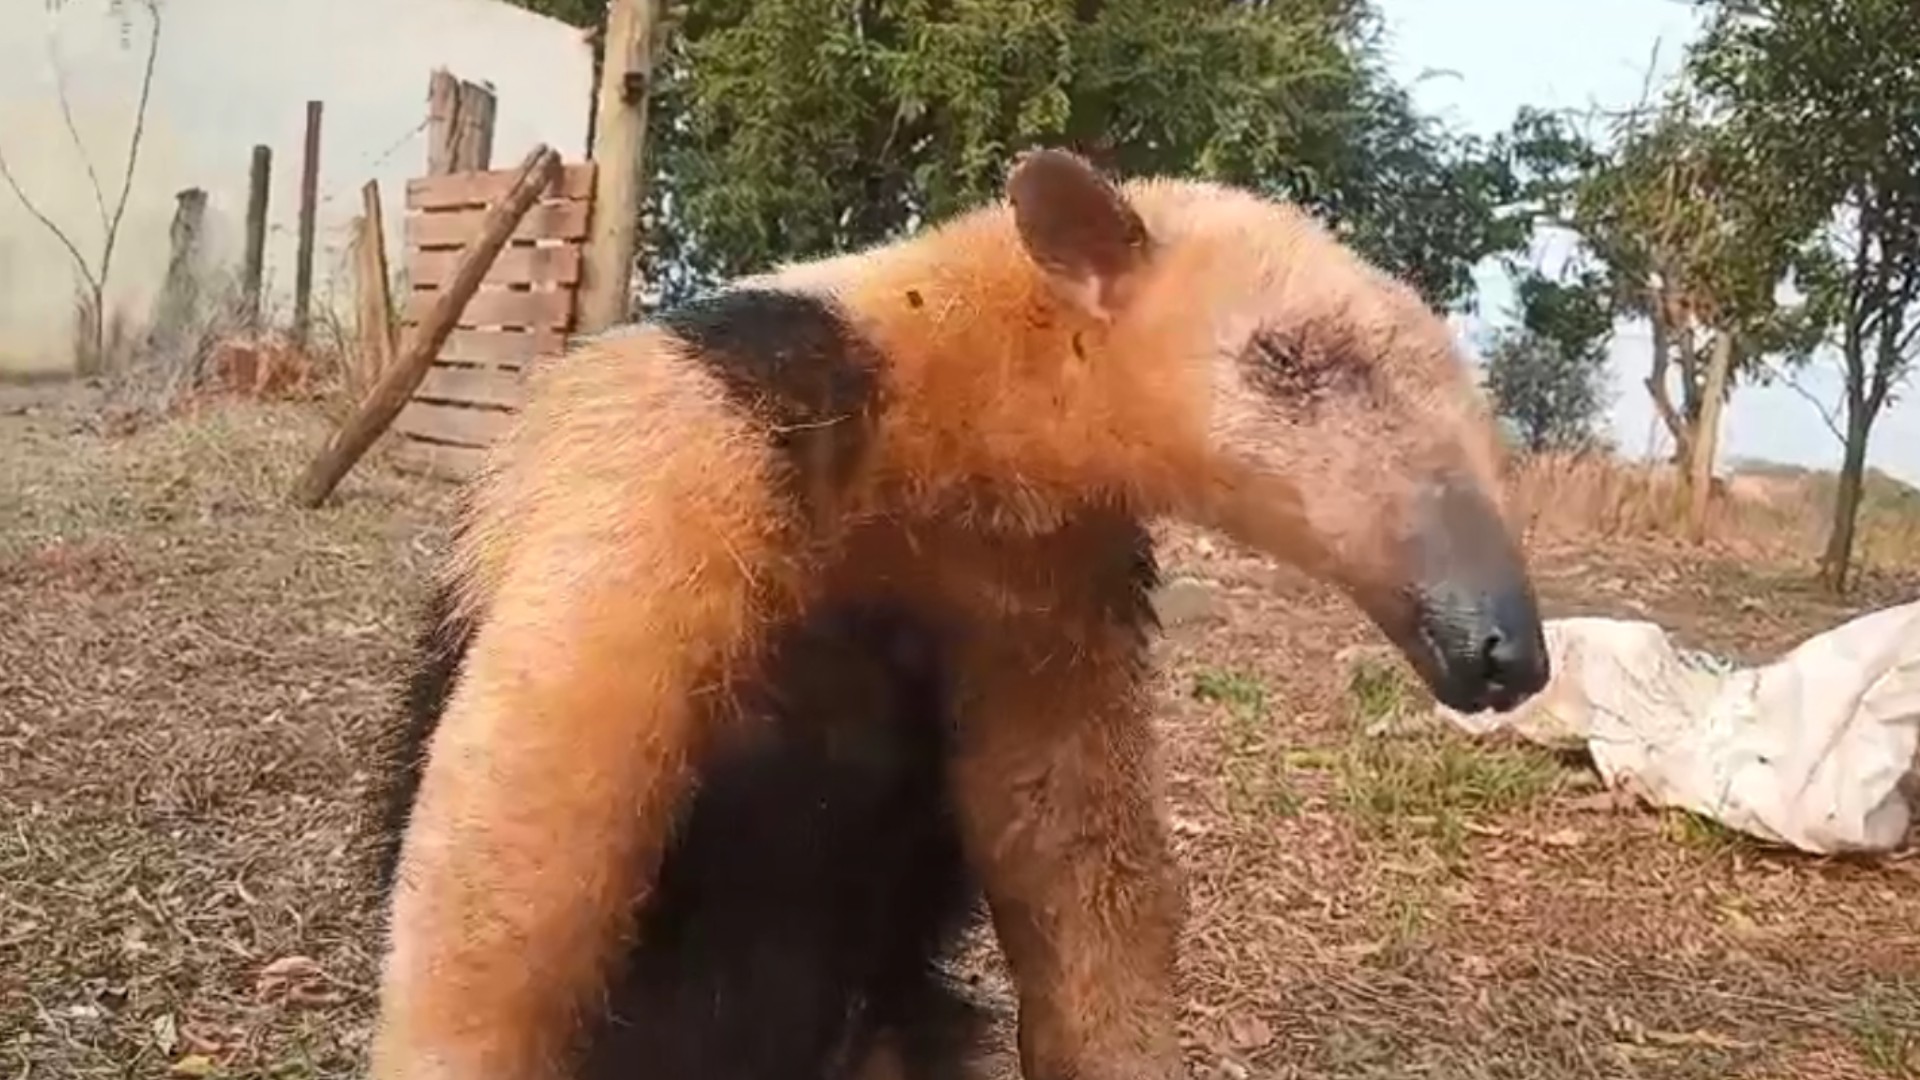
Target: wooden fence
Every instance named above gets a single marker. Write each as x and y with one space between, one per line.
523 311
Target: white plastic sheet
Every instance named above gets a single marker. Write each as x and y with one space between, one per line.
1807 751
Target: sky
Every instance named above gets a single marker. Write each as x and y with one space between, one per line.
1476 62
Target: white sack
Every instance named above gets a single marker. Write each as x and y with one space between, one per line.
1808 750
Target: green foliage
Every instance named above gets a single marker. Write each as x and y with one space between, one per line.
1822 97
581 13
790 128
1378 690
783 129
1255 773
1416 199
1547 375
1427 788
1681 227
1676 205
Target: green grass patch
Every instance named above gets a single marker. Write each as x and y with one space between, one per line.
1433 779
1379 691
1690 830
1256 772
1885 1025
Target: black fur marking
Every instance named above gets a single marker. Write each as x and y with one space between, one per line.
813 885
1303 369
1126 575
439 649
817 880
796 363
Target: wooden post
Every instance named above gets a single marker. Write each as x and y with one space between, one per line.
180 290
460 118
473 132
443 107
619 152
309 199
375 297
404 376
254 268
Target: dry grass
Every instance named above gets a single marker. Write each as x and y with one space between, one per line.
191 674
1778 516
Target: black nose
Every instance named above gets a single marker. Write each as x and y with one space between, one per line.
1484 649
1513 664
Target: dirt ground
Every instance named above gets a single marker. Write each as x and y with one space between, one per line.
191 670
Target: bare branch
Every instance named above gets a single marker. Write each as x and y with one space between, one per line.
1828 415
79 260
73 129
133 144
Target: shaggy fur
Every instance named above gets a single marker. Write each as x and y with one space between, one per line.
961 434
813 884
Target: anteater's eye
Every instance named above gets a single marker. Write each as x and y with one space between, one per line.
1276 352
1302 370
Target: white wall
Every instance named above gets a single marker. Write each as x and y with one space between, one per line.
230 74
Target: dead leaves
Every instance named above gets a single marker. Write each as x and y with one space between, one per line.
1248 1032
296 980
193 1065
1558 838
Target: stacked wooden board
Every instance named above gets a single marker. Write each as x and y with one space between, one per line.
523 311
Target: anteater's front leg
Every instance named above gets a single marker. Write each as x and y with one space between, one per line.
619 568
1059 805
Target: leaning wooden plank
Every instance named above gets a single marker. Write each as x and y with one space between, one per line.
502 348
548 221
551 309
472 386
479 189
400 380
558 265
440 462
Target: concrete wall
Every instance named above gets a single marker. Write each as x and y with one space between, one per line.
232 73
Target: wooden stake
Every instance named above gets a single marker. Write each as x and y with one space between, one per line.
374 294
254 268
460 119
619 152
404 376
473 133
443 108
179 291
309 205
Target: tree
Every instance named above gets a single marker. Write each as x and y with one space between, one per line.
1547 374
788 128
1689 237
1420 201
95 273
1825 97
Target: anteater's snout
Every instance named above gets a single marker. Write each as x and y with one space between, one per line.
1485 647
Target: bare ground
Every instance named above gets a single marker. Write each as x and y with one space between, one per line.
191 673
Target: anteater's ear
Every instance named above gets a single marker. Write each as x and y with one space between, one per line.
1078 229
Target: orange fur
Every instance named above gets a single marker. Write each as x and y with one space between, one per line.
628 547
618 583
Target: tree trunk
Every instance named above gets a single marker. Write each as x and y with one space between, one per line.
1657 379
619 153
1837 564
1706 436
